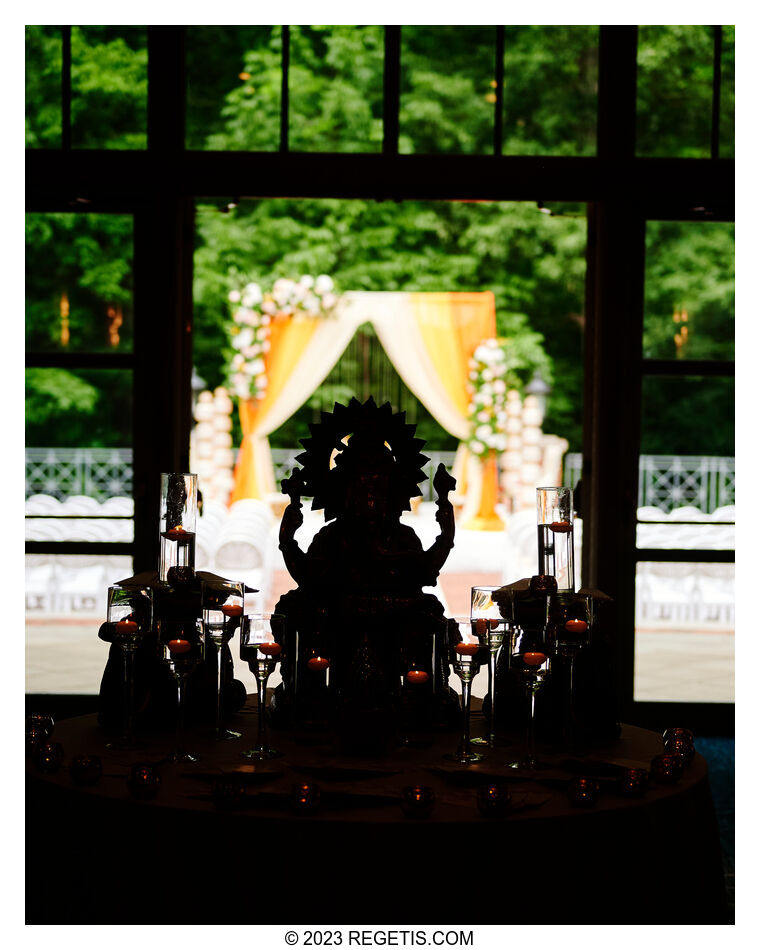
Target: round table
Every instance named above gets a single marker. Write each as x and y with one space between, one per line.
96 855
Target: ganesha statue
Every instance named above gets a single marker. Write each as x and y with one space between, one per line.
362 639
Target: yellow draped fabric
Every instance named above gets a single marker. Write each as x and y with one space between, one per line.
288 338
429 337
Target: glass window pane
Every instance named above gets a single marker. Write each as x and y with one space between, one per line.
79 283
688 415
66 602
43 86
78 408
684 648
233 87
550 90
447 94
75 494
109 86
682 527
336 88
689 290
674 91
727 93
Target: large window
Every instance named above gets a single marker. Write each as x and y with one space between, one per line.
617 118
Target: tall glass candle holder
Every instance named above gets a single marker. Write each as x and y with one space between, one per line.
555 536
223 606
179 509
490 630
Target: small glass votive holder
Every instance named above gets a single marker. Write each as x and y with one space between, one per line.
583 792
678 733
228 792
85 769
417 801
48 757
683 749
304 798
666 769
144 781
632 783
43 720
36 736
493 800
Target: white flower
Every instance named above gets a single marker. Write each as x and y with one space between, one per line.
473 374
499 386
311 303
265 346
329 301
261 381
323 284
250 351
483 433
234 296
481 353
237 361
243 339
477 447
306 281
270 307
256 367
500 443
265 320
483 416
485 398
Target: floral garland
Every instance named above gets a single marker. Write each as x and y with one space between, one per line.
490 379
253 312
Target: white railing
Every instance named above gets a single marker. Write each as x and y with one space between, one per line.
674 481
665 481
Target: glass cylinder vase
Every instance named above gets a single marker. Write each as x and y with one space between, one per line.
555 536
179 510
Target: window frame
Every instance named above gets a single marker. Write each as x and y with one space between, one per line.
160 185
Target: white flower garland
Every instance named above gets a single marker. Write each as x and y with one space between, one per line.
253 311
489 381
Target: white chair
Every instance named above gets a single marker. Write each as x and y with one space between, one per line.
42 505
650 513
80 505
118 505
41 587
83 590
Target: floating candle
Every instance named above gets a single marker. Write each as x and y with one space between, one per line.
176 532
270 649
417 676
178 646
318 663
467 649
125 628
534 659
576 626
560 527
231 610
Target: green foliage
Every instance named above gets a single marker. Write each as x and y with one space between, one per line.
88 257
533 263
43 86
91 408
674 91
109 87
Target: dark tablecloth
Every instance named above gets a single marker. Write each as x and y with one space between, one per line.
94 855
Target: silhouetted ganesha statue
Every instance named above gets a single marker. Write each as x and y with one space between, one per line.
359 622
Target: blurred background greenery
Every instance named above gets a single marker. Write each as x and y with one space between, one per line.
79 287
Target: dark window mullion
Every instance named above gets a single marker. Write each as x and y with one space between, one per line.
80 547
691 555
688 367
80 360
